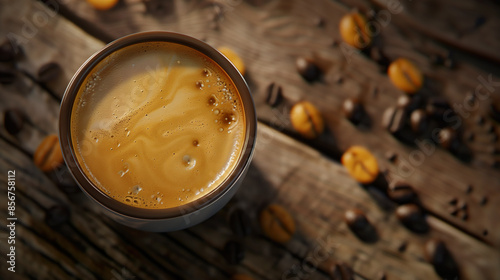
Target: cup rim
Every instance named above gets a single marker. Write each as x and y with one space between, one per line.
88 187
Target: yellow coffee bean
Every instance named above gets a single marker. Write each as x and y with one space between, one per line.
307 120
234 58
361 164
277 223
48 155
102 4
405 75
354 30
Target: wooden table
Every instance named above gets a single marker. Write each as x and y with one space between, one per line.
61 235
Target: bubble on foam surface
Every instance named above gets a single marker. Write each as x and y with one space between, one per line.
135 189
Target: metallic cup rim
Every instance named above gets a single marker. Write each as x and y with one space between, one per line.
88 187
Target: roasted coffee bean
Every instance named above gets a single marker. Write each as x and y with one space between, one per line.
57 215
354 30
307 120
358 223
361 164
48 155
448 139
9 51
412 217
13 121
276 223
405 75
418 121
49 71
353 110
438 255
7 74
308 69
401 193
341 271
393 119
234 58
234 252
102 4
241 277
274 94
240 222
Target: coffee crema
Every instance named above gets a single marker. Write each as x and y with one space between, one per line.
157 125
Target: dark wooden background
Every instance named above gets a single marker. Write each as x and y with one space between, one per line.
61 235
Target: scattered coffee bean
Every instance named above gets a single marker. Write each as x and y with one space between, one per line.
355 31
405 75
307 120
418 121
412 217
240 222
7 74
234 252
13 121
308 69
57 215
391 156
361 164
102 4
483 201
277 224
358 223
393 119
9 51
48 155
241 277
341 271
353 110
274 94
401 193
234 58
49 71
438 255
448 139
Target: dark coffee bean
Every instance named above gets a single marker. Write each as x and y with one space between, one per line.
13 121
448 139
412 217
274 94
240 223
57 215
401 192
49 71
234 252
9 51
418 121
308 69
7 74
358 223
341 271
438 255
393 119
353 110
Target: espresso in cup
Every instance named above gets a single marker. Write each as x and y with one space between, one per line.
158 123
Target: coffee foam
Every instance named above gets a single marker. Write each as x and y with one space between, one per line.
158 125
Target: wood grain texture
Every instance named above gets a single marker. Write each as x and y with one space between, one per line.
310 184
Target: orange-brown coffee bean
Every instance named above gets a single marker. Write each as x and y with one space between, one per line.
354 30
234 58
277 223
307 120
102 4
48 155
361 164
405 75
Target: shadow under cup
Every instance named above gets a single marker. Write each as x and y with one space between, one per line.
168 219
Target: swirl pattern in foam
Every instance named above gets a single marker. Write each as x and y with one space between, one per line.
158 125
